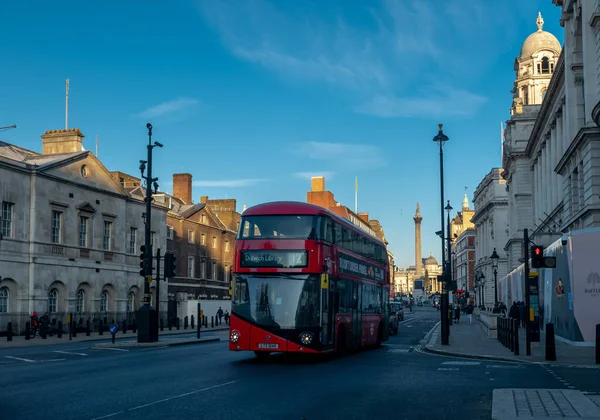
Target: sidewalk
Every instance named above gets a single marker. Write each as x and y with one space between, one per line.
511 404
469 340
81 337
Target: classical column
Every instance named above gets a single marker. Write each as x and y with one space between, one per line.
418 257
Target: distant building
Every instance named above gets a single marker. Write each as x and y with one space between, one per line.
463 249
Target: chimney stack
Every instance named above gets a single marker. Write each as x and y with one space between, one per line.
55 142
317 183
204 199
182 187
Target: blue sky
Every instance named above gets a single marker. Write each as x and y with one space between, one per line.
253 97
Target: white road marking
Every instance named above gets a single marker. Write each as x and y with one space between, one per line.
182 395
504 367
110 348
69 352
447 368
51 360
461 363
108 415
20 358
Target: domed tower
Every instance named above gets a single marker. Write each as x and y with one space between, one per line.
534 67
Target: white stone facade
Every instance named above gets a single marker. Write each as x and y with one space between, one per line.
491 232
71 236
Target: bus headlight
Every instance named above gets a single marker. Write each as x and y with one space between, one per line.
306 338
235 336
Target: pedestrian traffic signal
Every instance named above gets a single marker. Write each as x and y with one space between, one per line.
539 261
143 261
169 265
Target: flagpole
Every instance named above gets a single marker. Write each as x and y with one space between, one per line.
67 105
356 197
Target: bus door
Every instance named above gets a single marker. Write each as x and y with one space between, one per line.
356 315
327 312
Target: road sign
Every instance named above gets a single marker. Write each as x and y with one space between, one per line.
149 279
113 329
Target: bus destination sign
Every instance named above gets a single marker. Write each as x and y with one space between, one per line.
274 259
354 266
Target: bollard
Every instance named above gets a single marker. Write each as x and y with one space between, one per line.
59 330
550 343
598 344
27 331
170 323
9 332
124 326
87 328
205 319
185 323
516 346
134 329
100 327
511 329
212 322
178 322
162 324
74 327
192 321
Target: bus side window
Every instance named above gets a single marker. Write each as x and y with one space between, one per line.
337 232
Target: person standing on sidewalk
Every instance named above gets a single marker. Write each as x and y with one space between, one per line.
469 310
456 313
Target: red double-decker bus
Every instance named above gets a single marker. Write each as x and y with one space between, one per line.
305 280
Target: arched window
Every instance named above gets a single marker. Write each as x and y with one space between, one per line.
544 93
53 301
80 302
3 300
104 302
545 65
131 302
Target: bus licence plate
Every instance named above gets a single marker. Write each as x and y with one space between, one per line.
268 346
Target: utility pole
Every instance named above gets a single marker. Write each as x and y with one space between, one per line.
146 314
157 292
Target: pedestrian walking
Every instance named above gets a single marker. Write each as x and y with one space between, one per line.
469 310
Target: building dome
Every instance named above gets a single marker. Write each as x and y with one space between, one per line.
540 40
431 260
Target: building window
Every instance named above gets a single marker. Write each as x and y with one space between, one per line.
153 239
215 274
3 300
203 240
7 219
169 232
203 270
83 232
191 236
80 302
226 246
545 65
104 302
214 242
191 267
131 302
107 236
53 301
226 274
56 227
132 240
203 218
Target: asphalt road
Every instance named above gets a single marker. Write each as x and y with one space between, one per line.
207 381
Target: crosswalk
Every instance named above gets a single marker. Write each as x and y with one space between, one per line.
59 355
454 365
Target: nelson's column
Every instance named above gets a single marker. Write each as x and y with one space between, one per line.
418 258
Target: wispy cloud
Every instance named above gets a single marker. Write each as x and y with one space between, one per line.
169 108
345 154
398 44
228 183
309 175
438 102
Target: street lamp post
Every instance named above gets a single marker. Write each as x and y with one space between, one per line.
146 316
448 209
482 291
440 139
495 257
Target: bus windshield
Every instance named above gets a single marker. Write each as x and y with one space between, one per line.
277 227
276 301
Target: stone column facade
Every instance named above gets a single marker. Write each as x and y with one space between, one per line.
418 256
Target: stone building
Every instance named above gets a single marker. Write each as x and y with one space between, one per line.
202 237
70 234
491 232
463 248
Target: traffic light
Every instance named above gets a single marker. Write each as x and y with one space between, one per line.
143 261
169 265
539 261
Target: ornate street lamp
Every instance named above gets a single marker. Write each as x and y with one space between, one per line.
495 257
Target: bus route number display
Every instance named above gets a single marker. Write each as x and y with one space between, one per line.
273 259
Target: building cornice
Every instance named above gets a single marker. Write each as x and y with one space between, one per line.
485 210
582 136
